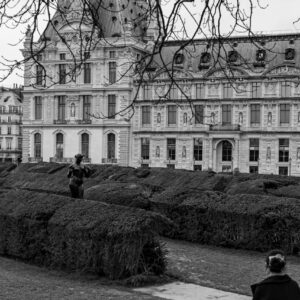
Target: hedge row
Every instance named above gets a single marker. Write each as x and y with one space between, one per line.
241 221
80 235
202 204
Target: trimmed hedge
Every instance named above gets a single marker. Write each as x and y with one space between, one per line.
80 235
241 221
202 204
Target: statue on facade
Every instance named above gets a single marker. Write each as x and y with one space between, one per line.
158 118
268 153
269 117
184 151
157 151
240 118
72 114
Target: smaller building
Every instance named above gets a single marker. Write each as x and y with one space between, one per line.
11 112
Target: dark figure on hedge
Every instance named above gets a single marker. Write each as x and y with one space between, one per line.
76 173
278 285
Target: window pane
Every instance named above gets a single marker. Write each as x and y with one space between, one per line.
37 145
171 149
199 114
61 108
85 145
86 107
111 106
112 72
38 107
226 151
198 147
172 114
87 73
226 114
62 74
255 114
145 148
146 110
284 113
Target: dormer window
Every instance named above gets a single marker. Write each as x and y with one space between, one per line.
232 56
289 54
87 55
179 58
261 55
205 58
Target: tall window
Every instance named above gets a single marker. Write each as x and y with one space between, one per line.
111 106
226 114
171 149
283 150
198 148
256 90
285 89
87 73
37 145
20 143
8 130
112 72
200 91
8 143
85 141
39 75
146 115
38 107
59 145
254 150
255 114
111 141
1 139
86 107
145 148
226 151
172 115
61 108
147 92
62 74
284 113
227 90
199 114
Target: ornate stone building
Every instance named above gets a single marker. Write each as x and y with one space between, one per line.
237 108
10 124
243 110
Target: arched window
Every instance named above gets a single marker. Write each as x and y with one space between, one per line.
111 143
226 151
59 145
37 145
85 140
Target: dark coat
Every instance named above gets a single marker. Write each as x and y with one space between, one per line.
278 287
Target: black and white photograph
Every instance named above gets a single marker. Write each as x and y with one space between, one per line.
149 149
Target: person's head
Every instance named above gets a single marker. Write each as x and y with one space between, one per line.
78 158
276 261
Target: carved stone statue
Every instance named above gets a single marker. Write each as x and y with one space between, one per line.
184 151
157 151
268 153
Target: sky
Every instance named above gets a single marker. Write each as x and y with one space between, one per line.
278 17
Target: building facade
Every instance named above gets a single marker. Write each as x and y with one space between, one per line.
240 111
10 124
243 114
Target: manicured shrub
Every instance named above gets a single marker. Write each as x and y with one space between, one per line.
80 235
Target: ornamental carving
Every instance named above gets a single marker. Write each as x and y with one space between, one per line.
285 70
